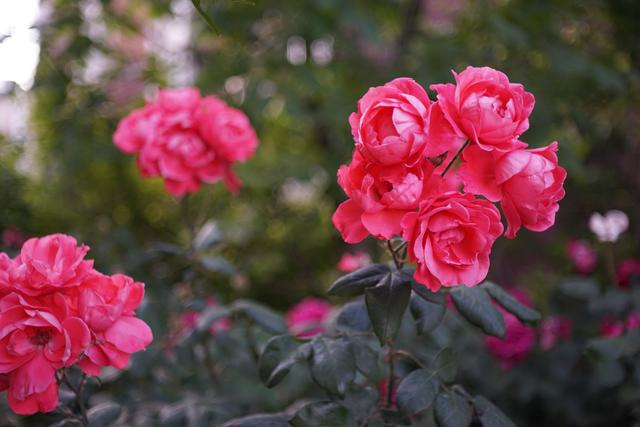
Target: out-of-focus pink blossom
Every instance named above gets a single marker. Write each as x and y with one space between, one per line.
308 318
518 340
353 261
610 327
610 226
189 319
584 257
628 272
554 329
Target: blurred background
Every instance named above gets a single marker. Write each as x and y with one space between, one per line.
70 69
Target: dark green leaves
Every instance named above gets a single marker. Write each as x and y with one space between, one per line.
476 306
279 355
353 317
263 316
355 283
320 414
332 364
260 420
511 304
386 304
428 311
452 410
489 414
444 365
104 414
417 391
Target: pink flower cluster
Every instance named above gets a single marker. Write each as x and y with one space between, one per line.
187 140
57 311
353 261
399 182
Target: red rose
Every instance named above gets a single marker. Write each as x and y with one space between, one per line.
450 238
485 108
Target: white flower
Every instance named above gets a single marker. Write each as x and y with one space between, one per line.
609 226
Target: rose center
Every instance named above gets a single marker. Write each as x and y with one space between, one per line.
41 338
450 237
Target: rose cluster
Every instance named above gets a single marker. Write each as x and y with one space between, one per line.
401 181
57 311
187 140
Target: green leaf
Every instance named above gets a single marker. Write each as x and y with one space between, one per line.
360 400
580 288
511 304
217 264
394 418
417 391
203 15
279 355
260 420
320 414
263 316
489 414
104 414
452 410
210 315
386 304
353 317
332 364
366 358
427 314
355 283
475 305
444 365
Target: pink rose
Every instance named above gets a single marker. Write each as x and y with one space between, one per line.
554 329
628 272
483 107
518 341
49 263
392 125
450 238
379 196
107 304
583 256
37 338
187 140
353 261
227 129
307 318
529 184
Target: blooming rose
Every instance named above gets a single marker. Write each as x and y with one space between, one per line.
307 318
485 108
519 339
381 195
227 129
554 329
107 304
49 263
529 184
392 124
187 140
352 262
583 256
628 272
37 337
450 238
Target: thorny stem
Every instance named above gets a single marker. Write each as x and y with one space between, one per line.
446 169
411 357
398 260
